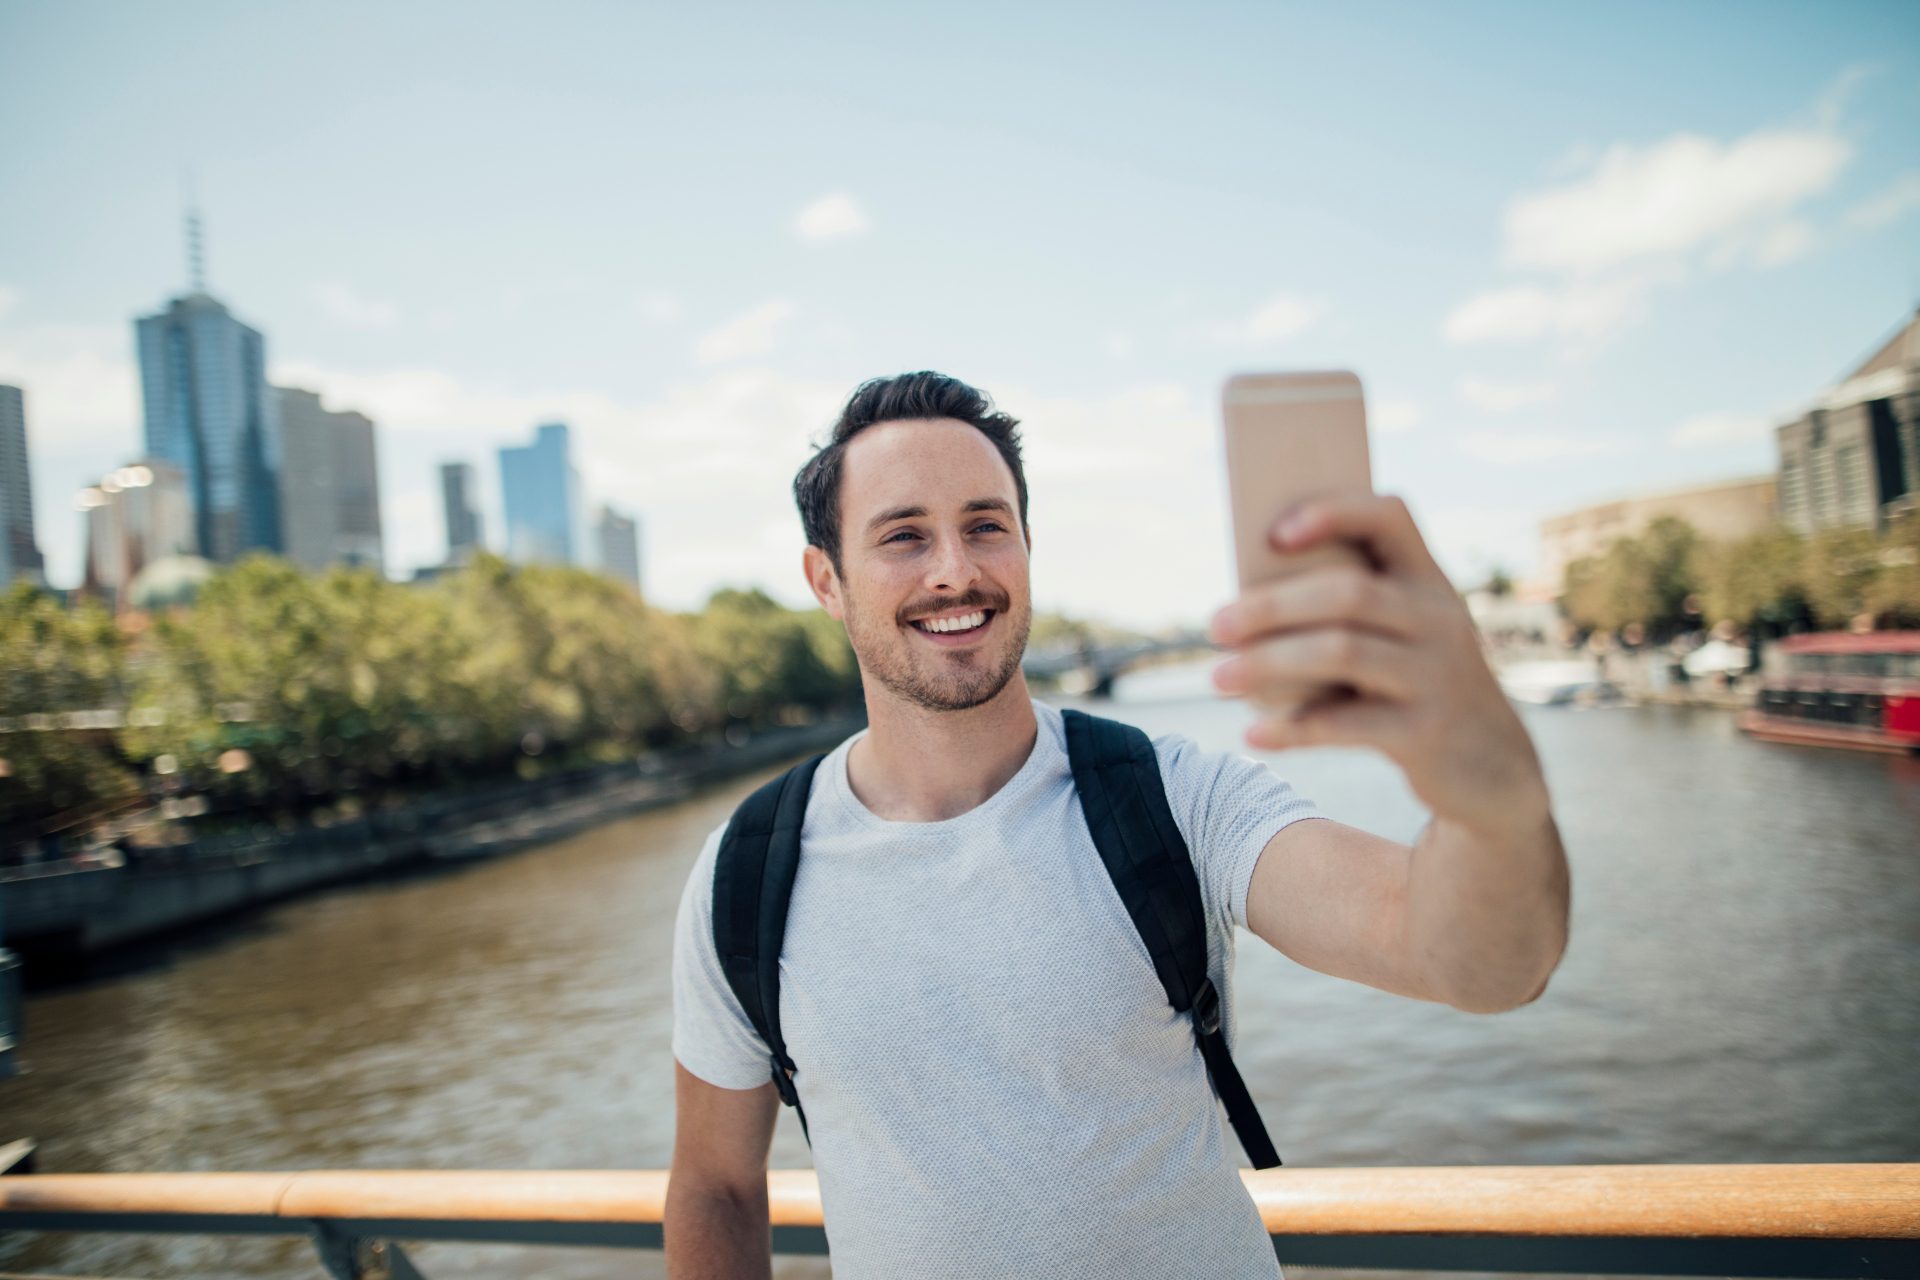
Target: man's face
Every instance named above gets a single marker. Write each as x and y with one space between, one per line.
929 532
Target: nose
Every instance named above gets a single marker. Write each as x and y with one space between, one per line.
952 566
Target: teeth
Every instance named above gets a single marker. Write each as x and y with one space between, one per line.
963 623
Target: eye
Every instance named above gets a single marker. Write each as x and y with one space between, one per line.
989 524
899 533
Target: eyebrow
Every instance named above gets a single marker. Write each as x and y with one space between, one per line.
911 513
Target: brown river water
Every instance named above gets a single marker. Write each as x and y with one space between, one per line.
1742 985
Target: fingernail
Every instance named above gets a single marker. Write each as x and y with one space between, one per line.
1226 676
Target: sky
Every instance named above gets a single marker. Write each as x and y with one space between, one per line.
1573 252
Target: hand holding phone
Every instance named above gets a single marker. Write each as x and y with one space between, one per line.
1290 437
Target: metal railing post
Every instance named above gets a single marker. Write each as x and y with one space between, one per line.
351 1257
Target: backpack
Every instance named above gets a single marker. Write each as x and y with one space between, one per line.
1118 780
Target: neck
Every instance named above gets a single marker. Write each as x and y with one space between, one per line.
916 765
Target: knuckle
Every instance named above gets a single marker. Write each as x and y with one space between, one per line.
1356 593
1342 647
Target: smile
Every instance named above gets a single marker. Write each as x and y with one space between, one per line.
955 627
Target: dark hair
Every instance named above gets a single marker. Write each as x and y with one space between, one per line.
816 489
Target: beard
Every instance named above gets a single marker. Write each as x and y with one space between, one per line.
934 679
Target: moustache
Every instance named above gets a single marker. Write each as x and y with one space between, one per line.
947 606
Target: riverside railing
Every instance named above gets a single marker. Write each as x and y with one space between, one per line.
1821 1220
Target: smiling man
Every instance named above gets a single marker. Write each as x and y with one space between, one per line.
993 1078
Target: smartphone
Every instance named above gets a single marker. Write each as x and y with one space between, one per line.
1289 437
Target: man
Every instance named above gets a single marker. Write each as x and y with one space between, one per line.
995 1082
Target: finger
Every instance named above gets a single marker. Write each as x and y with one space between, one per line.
1321 597
1324 655
1335 722
1379 522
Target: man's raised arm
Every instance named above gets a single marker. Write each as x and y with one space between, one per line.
1474 913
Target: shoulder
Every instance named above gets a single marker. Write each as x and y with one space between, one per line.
698 892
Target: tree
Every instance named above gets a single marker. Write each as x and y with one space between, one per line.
1894 595
1648 579
1758 582
1841 568
55 661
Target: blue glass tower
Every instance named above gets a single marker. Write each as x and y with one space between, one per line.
203 375
541 493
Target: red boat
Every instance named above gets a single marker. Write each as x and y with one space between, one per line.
1842 689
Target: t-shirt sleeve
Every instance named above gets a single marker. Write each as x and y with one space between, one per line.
712 1036
1227 806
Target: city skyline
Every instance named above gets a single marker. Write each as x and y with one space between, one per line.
695 272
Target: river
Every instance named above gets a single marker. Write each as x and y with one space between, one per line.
1742 985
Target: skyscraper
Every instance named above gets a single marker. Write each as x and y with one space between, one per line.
137 515
19 550
330 485
463 519
619 540
541 493
203 375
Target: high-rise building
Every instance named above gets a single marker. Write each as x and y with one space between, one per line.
330 484
463 517
203 375
19 550
1852 460
619 542
135 516
540 490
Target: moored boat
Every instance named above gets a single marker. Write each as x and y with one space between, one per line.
1843 689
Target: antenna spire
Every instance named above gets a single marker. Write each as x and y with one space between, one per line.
196 245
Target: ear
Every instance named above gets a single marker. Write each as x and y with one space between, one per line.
825 583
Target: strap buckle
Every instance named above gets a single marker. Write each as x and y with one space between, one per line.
1206 1008
783 1082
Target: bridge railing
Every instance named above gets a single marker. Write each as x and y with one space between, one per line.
1721 1220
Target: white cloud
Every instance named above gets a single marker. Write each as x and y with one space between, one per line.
1711 430
1670 197
1502 397
1827 108
1784 243
345 305
1280 318
1896 202
1514 448
753 333
83 419
832 217
1630 218
1129 501
706 465
80 387
1581 309
657 307
1393 416
1470 541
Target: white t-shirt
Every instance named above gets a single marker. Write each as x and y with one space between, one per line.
994 1079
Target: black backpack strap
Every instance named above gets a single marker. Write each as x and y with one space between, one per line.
752 886
1118 778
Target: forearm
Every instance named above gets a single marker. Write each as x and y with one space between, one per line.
1487 911
716 1236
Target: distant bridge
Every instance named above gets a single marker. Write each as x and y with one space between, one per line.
1093 668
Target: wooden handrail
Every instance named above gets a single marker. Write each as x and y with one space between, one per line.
1750 1201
